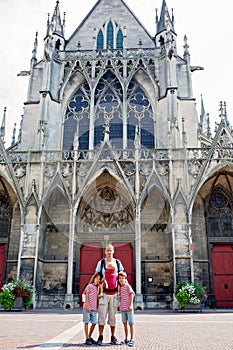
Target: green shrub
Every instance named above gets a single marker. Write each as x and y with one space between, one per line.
7 299
14 289
188 293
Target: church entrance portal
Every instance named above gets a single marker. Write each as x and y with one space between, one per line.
222 266
90 254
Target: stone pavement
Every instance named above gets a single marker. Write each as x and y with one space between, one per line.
155 330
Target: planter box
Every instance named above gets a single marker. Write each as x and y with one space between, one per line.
18 304
192 308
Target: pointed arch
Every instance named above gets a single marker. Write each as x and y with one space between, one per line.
220 213
100 40
110 35
119 39
108 105
105 204
139 112
212 222
77 119
156 243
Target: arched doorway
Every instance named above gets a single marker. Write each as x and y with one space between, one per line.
219 228
105 215
212 232
90 254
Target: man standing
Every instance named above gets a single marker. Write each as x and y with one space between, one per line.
108 304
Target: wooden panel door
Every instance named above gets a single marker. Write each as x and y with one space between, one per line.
222 267
124 252
90 254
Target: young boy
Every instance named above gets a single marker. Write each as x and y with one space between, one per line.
90 307
126 307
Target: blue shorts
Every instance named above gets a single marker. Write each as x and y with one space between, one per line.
127 316
89 317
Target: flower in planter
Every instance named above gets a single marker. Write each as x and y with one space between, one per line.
13 289
188 293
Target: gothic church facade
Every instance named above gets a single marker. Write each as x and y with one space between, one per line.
111 150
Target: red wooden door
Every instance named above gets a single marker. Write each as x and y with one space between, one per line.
124 252
222 267
90 254
2 263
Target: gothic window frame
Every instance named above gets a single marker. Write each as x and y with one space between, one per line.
140 111
109 89
119 39
110 36
219 214
77 119
100 40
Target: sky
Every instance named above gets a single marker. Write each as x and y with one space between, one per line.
207 24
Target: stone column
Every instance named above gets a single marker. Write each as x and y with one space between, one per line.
138 298
68 304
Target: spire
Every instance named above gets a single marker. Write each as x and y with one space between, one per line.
48 32
64 22
56 23
186 50
165 22
13 135
20 129
34 51
208 127
223 112
2 129
202 107
203 119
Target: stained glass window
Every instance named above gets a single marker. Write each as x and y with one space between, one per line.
77 119
139 113
108 104
119 39
100 40
219 218
110 36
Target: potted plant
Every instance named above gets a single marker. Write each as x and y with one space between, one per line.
189 293
13 290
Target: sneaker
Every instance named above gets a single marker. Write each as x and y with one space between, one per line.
131 343
114 340
93 341
88 341
125 342
100 340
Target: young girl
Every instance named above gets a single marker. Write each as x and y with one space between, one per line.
90 307
126 307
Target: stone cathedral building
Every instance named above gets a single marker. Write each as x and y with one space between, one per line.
111 149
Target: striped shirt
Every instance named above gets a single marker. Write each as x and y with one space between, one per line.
126 290
92 291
